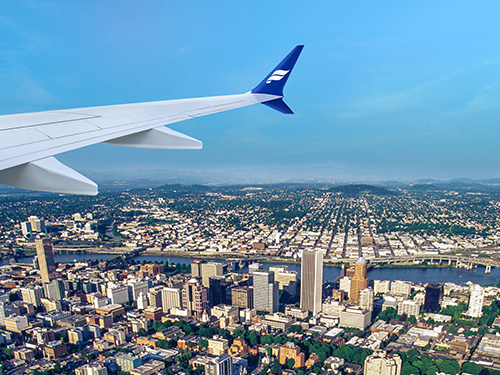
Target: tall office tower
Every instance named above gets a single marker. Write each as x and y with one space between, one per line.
265 291
171 299
210 269
54 290
433 296
155 296
37 225
217 290
142 301
359 281
26 228
118 294
476 301
45 259
137 287
194 298
366 299
383 363
242 297
196 268
33 295
345 284
287 279
311 280
221 365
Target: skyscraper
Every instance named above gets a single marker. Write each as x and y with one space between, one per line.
265 291
33 295
210 269
217 290
194 297
45 259
171 299
242 297
54 290
366 299
311 278
221 365
476 301
359 281
196 268
433 295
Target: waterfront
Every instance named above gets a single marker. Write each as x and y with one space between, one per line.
423 275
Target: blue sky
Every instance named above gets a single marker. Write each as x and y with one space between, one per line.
382 90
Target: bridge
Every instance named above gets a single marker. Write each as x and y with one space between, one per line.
458 261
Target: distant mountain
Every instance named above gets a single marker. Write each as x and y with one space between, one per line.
425 187
362 189
185 188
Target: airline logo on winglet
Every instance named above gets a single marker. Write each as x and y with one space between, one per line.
277 75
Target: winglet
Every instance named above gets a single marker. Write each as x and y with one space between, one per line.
275 81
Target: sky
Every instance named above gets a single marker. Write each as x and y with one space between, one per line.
383 90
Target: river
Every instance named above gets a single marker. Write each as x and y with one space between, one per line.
423 275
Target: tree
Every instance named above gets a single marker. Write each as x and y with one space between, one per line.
452 329
203 344
252 338
290 363
409 370
388 314
471 368
295 328
276 367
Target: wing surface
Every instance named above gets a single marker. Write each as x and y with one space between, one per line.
29 141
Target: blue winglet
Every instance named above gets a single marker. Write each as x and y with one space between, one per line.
279 105
274 82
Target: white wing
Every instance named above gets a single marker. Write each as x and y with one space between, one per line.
28 141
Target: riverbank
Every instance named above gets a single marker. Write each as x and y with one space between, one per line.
96 251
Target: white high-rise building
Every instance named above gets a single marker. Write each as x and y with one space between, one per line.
287 279
210 269
136 287
311 280
366 299
265 291
381 286
345 284
476 301
33 295
409 308
26 228
118 294
401 287
221 365
171 299
382 363
142 301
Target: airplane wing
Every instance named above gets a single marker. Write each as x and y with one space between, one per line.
29 141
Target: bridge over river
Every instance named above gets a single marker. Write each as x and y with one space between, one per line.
439 259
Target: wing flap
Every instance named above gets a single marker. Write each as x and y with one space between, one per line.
26 120
159 138
48 175
20 137
61 130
